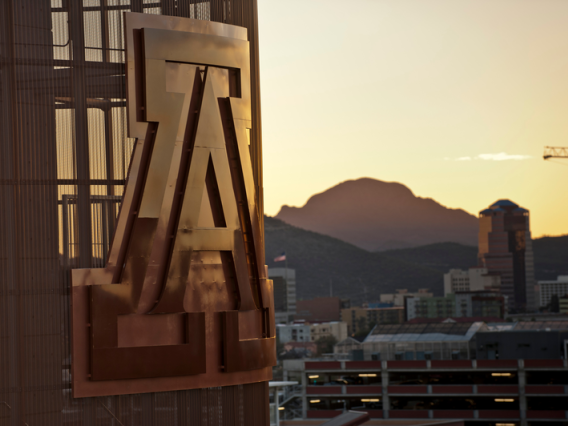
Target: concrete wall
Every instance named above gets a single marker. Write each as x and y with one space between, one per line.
533 344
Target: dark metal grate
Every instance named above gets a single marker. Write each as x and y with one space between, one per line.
64 157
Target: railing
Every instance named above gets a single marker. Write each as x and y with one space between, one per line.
445 414
485 364
432 390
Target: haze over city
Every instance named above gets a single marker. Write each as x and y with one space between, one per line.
455 100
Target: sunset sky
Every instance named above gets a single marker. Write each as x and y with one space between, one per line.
455 99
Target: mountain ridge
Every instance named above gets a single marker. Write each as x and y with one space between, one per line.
377 215
326 264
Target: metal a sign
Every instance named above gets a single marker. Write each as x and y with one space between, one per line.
184 301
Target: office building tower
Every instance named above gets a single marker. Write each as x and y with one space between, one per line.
505 247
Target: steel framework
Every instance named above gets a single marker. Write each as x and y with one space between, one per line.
555 152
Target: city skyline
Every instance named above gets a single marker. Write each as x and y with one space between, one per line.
455 100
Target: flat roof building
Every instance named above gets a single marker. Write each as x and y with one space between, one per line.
474 279
546 289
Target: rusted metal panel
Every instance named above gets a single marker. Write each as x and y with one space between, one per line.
323 365
362 365
406 364
452 389
364 390
453 414
323 390
411 389
545 389
461 363
543 363
497 363
498 389
499 414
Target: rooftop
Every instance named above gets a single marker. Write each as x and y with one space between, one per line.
455 320
504 203
425 332
542 325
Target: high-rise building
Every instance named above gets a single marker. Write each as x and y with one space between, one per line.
505 247
284 280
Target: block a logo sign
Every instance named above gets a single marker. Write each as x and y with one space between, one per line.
184 300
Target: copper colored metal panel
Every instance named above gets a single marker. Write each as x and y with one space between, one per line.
65 155
183 175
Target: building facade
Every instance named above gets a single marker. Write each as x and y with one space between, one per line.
306 332
474 279
468 304
397 299
297 332
284 280
546 289
520 392
337 329
505 248
320 309
485 374
362 319
430 307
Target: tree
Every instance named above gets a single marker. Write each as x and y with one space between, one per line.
325 344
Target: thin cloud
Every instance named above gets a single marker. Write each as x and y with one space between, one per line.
502 156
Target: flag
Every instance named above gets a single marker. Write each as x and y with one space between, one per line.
280 258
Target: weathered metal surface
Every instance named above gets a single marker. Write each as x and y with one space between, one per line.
191 191
60 59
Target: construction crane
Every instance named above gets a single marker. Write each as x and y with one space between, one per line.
555 152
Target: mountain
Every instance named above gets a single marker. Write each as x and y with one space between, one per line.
439 256
550 257
376 215
322 262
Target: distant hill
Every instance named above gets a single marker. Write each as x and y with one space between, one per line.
550 257
361 275
377 215
439 256
321 261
